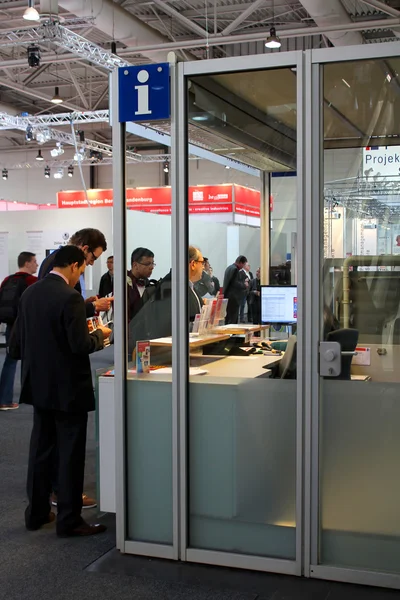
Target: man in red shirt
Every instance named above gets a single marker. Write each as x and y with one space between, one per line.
24 277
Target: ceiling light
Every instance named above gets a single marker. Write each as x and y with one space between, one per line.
59 174
200 118
31 14
95 156
227 167
42 136
273 41
47 172
389 77
70 171
166 167
39 155
29 133
56 99
57 151
4 174
345 82
33 56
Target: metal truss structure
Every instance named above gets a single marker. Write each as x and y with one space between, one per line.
59 35
43 121
65 163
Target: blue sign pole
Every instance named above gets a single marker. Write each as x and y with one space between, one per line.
144 93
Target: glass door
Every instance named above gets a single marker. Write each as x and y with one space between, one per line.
242 414
356 409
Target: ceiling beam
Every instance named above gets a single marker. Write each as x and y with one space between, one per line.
179 17
243 16
35 73
101 98
378 5
19 87
77 86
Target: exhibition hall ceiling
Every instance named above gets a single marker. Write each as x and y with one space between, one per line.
196 29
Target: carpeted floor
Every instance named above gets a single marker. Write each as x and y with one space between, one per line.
39 565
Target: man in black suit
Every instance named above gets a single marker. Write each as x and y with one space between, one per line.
196 266
54 343
235 288
107 280
93 243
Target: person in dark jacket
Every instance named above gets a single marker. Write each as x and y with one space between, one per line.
138 278
235 288
205 284
215 282
92 243
254 299
51 336
107 280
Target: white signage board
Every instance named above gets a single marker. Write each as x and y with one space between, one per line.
381 160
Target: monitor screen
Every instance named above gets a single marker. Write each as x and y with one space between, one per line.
279 304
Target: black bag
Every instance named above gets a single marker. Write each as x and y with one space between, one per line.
10 295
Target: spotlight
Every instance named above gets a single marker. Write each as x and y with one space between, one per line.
227 167
59 174
95 156
70 171
29 134
166 167
39 155
47 172
4 174
31 14
33 56
43 136
273 41
56 99
57 151
81 135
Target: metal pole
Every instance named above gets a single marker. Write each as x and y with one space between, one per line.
120 329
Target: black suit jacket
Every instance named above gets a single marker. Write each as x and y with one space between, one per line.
47 266
106 285
55 345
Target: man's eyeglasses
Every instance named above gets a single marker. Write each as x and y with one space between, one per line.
93 254
152 264
200 261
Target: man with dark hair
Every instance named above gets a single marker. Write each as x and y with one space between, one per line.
138 278
107 280
11 291
235 288
52 338
93 243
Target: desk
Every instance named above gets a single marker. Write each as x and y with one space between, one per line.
240 328
239 367
195 341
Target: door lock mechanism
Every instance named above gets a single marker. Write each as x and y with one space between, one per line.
329 359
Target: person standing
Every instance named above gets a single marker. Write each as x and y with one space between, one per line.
196 266
107 280
255 298
52 338
92 243
235 288
138 278
215 282
205 285
11 291
248 276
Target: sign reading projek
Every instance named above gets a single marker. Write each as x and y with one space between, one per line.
381 160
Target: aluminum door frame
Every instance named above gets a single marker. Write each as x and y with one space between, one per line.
314 181
226 559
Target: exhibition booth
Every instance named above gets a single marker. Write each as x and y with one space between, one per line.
253 458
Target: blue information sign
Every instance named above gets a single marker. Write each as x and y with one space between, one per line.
144 93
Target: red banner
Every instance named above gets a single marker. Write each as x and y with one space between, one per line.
203 199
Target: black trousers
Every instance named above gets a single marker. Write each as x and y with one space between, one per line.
232 311
64 434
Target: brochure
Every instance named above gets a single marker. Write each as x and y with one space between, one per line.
93 324
143 356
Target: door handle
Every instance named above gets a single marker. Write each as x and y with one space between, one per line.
348 353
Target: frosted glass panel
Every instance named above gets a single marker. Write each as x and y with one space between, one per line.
360 483
149 461
243 466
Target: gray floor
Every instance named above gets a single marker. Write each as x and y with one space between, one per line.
39 565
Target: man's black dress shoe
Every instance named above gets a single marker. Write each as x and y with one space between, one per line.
84 529
35 526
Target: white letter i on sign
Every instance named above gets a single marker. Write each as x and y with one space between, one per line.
142 94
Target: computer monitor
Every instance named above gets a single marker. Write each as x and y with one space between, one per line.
279 304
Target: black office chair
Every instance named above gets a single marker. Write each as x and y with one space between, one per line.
288 365
347 338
